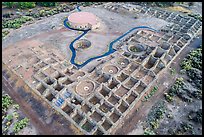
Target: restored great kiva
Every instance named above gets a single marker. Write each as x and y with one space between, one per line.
83 21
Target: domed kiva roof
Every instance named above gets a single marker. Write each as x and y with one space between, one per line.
83 18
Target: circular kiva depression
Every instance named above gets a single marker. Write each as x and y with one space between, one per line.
85 88
82 44
137 49
123 62
111 69
83 20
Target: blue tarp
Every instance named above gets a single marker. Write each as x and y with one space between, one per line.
67 94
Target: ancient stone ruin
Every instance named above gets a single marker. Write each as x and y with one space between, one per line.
97 101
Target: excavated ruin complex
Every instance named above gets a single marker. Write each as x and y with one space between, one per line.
97 101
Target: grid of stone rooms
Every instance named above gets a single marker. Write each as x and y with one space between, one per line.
183 25
97 101
116 85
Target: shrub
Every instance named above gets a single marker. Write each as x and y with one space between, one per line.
179 81
21 5
4 33
6 102
16 115
154 124
174 90
168 97
196 116
10 4
186 126
148 132
173 71
151 93
194 59
9 117
20 125
16 23
24 5
16 106
46 4
156 113
196 77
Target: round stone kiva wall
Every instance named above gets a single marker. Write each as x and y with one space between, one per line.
84 88
111 69
138 49
123 62
82 44
83 20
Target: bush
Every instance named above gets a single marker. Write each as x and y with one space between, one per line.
179 81
4 33
6 102
24 5
196 76
196 116
175 88
9 117
186 126
10 4
173 71
16 23
193 60
168 97
148 132
151 93
154 124
20 125
46 4
21 5
156 113
16 106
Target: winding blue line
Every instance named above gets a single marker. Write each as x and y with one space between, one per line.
110 50
78 8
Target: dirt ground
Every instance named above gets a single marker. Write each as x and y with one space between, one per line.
51 31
